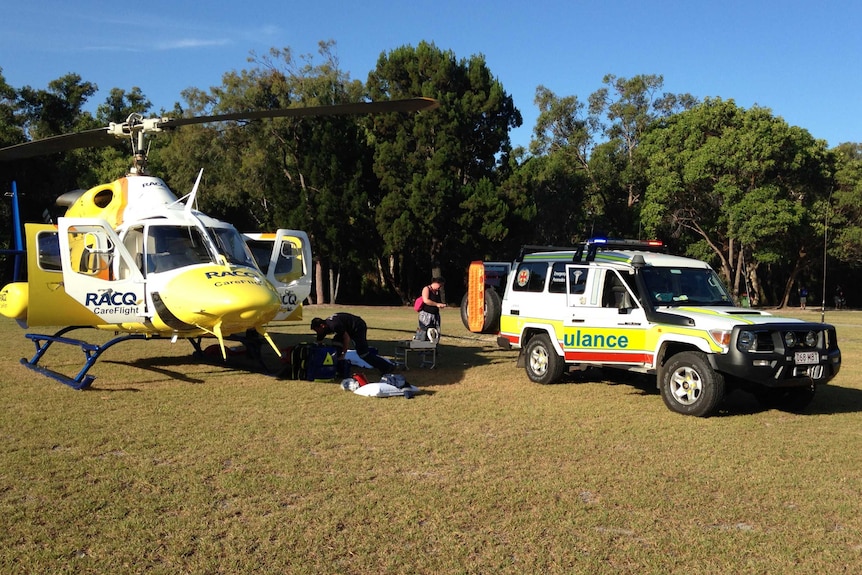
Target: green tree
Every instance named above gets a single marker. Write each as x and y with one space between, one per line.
307 173
565 187
59 109
600 140
11 125
739 188
631 105
42 113
846 215
434 165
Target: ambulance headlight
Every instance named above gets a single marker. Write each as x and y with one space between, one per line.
747 341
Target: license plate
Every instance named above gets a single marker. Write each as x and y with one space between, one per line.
806 358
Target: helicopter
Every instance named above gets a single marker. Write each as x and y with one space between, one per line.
132 258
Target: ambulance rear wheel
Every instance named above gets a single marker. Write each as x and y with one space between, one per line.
465 316
542 363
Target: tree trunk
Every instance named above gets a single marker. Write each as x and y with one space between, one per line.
388 279
755 295
791 280
334 281
318 281
738 276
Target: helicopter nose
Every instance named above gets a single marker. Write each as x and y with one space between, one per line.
236 299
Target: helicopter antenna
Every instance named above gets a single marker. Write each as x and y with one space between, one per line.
193 195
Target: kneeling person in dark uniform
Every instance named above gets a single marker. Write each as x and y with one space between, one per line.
345 327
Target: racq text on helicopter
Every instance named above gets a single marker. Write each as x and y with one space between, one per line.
131 258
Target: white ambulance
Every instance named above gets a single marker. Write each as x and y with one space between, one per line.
626 304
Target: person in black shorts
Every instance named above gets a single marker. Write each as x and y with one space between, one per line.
345 327
429 314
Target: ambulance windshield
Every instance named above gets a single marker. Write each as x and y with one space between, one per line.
685 286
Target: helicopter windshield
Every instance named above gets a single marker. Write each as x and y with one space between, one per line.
685 286
171 246
231 244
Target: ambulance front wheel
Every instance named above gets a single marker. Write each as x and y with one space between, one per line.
690 386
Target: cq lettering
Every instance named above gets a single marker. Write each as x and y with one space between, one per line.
111 298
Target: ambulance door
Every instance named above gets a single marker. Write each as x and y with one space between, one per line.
606 324
99 272
285 258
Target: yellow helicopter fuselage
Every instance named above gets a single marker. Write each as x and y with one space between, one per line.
128 256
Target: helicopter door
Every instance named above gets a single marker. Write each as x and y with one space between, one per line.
285 258
99 272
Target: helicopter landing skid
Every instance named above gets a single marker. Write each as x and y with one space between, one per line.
91 351
251 353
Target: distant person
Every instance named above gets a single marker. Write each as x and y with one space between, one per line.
839 298
803 297
429 314
345 327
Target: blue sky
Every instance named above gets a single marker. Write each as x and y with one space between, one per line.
798 58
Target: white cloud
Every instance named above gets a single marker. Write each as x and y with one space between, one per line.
190 43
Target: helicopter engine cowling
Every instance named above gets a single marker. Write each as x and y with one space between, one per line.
231 300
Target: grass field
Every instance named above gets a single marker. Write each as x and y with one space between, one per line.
167 465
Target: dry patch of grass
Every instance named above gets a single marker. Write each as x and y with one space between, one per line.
168 465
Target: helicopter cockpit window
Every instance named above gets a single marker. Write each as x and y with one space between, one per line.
232 245
172 247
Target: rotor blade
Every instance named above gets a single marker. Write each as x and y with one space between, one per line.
89 138
102 137
407 105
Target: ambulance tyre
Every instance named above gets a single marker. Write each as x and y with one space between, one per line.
542 363
493 310
465 316
690 386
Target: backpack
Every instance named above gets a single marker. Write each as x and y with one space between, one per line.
417 305
296 361
298 366
394 379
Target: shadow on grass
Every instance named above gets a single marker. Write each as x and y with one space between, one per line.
831 399
159 365
452 360
828 399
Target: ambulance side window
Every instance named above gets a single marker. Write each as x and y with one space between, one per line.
558 278
530 277
578 281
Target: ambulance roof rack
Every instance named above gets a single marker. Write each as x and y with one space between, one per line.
595 245
532 249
